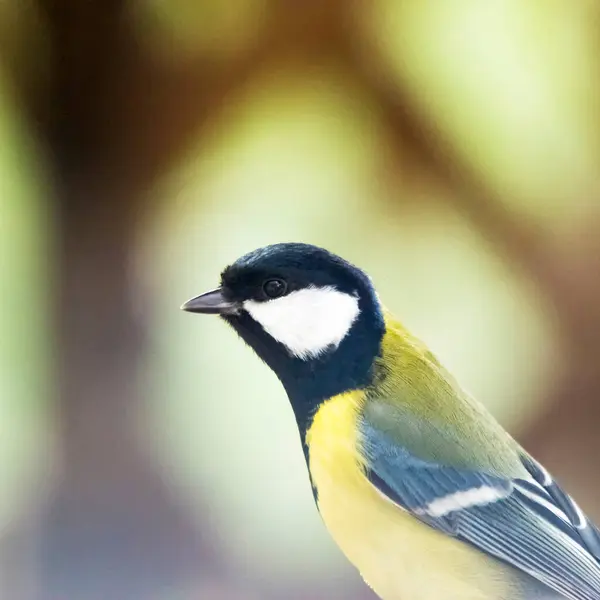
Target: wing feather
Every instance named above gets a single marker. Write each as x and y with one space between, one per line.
588 532
518 521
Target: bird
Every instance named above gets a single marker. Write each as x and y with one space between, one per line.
426 494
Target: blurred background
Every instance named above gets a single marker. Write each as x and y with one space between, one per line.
449 148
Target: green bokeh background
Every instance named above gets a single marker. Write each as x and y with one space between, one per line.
509 90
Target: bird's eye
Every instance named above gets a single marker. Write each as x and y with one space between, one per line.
274 288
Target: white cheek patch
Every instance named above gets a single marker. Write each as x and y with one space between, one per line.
309 321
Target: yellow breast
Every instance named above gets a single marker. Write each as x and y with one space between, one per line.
398 556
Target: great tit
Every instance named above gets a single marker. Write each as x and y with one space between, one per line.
421 488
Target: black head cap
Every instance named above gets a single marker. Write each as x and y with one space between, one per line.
313 317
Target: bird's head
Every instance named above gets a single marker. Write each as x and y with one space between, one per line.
313 317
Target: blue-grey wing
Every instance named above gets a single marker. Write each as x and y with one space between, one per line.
519 521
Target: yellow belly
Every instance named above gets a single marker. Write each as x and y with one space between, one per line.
398 556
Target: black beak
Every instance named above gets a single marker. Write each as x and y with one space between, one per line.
211 303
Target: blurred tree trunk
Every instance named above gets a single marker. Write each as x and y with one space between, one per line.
112 529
